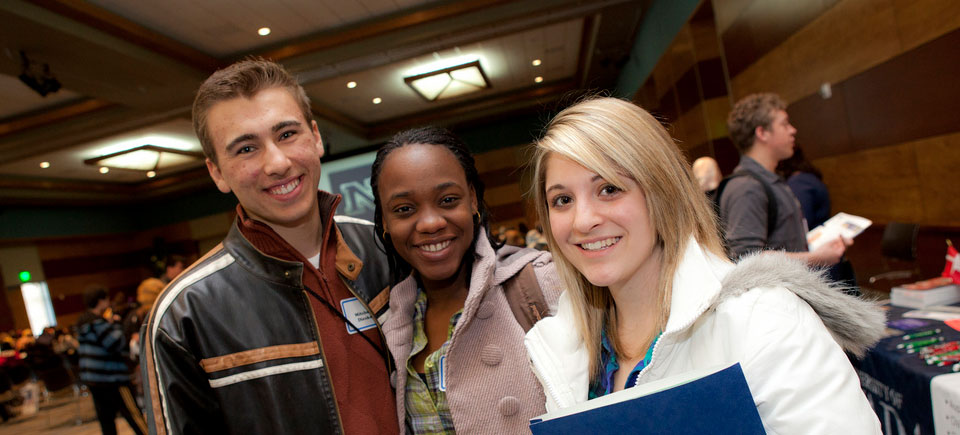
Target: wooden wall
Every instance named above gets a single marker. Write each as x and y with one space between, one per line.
887 140
118 261
687 91
506 180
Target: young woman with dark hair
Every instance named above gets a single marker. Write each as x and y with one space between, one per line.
457 345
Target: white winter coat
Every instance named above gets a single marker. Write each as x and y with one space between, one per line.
768 313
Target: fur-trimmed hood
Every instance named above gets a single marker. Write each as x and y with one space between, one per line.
855 323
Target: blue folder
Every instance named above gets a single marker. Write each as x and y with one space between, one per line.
718 403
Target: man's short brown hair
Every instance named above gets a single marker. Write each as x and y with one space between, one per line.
752 111
242 79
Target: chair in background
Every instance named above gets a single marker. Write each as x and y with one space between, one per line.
898 255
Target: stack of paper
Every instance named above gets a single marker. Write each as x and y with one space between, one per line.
922 294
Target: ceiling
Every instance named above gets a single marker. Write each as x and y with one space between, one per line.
129 71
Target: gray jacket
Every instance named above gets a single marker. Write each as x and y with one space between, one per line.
743 211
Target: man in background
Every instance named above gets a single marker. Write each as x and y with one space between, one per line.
103 364
760 129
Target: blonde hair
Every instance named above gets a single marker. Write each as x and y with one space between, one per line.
619 141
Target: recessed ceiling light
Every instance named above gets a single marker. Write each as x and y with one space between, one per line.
538 79
263 31
536 62
104 169
151 174
351 85
44 165
377 100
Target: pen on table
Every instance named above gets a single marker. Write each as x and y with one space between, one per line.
936 348
943 359
930 360
921 334
955 354
919 343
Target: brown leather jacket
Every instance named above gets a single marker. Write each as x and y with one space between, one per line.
232 345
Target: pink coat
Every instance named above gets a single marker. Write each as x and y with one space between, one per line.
490 386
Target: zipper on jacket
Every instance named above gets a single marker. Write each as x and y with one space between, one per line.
326 367
653 355
550 387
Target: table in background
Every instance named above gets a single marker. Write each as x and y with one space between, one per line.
898 384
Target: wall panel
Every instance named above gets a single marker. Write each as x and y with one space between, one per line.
888 134
847 39
763 25
897 101
919 21
117 261
503 174
908 97
882 184
690 85
938 164
506 194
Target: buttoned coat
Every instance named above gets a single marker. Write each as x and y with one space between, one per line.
490 387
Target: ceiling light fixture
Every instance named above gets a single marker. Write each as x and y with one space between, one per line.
538 79
44 165
351 85
536 62
151 174
377 100
449 82
145 158
263 31
104 169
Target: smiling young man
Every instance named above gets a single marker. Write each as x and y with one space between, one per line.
273 331
760 128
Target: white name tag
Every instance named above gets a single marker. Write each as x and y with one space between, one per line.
357 314
443 373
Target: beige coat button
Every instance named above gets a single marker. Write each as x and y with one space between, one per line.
485 310
491 355
509 406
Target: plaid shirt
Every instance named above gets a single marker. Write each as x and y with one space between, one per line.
604 385
426 397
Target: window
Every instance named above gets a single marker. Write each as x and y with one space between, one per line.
36 298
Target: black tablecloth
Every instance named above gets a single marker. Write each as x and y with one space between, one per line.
897 383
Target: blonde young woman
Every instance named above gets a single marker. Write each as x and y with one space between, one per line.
650 293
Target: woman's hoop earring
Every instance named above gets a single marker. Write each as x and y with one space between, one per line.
384 234
479 218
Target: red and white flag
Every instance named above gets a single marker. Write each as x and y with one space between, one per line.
952 268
